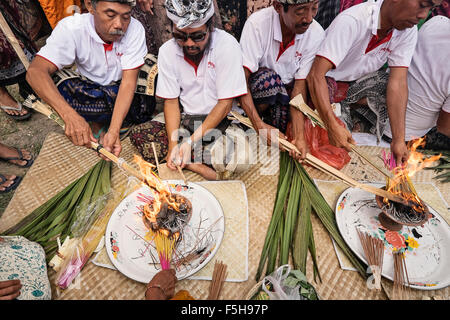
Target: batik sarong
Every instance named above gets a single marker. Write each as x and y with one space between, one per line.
267 88
143 135
95 102
373 88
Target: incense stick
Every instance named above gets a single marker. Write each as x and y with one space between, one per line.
218 278
374 252
400 290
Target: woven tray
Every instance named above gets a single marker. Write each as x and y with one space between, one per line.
60 163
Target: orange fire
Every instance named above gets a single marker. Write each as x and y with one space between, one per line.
401 182
160 191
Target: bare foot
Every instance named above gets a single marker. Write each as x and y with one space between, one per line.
8 152
203 170
7 100
9 181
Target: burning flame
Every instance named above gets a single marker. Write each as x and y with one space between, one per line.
401 183
160 190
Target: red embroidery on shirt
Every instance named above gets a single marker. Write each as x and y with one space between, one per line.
376 41
298 54
119 54
211 65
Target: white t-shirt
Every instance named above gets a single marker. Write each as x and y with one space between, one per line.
74 39
428 78
261 41
347 39
219 75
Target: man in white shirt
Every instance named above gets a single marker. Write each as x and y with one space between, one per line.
199 75
279 44
428 109
108 48
358 43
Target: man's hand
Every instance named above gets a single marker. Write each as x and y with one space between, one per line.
146 5
162 286
111 142
10 290
180 156
302 146
340 137
78 130
400 152
267 132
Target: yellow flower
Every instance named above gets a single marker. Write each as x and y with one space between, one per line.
412 243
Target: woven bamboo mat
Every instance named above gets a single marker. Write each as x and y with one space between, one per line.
233 199
60 163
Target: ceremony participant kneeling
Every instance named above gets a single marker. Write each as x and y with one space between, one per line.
279 44
199 74
428 109
358 43
108 49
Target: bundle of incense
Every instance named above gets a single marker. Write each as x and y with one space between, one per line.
374 252
165 245
218 278
400 290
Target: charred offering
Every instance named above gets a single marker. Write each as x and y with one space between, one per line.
168 215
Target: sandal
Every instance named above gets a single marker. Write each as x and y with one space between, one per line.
19 158
19 108
3 179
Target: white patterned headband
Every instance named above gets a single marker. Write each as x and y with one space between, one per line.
189 13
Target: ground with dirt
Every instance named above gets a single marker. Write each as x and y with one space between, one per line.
29 134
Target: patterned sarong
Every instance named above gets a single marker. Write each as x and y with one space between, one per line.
373 87
96 102
143 135
266 87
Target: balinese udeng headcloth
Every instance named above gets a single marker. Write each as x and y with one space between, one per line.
189 13
295 1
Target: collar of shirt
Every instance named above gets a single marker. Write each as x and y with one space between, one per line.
278 36
376 19
94 35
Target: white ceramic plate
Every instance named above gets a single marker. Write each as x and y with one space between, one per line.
136 257
427 247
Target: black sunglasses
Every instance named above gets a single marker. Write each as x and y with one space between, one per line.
196 36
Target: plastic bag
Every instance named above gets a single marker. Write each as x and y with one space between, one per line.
88 231
320 147
287 284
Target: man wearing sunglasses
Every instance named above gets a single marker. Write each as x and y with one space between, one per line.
199 75
279 44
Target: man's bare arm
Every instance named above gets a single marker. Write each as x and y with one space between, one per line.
318 89
443 123
39 78
396 101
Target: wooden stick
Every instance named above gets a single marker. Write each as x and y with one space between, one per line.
13 41
182 174
155 154
326 168
300 104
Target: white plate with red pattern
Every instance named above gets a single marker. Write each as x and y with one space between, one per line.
426 248
131 250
